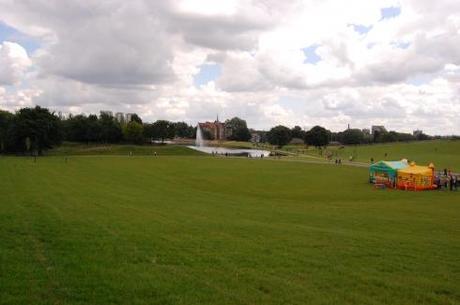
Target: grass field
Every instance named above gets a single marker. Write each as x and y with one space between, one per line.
444 153
72 149
201 230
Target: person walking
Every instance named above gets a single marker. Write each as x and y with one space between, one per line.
451 183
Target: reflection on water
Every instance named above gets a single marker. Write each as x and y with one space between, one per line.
229 151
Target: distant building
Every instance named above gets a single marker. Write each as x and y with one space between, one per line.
120 117
378 128
216 129
129 116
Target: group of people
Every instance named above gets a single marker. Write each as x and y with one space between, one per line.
447 179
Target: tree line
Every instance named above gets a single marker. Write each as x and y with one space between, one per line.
33 130
319 136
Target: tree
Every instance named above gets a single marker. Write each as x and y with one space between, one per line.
75 128
110 129
136 118
377 136
5 121
134 132
93 129
352 136
298 132
39 126
183 130
422 137
149 131
162 130
80 128
317 136
239 129
279 136
405 137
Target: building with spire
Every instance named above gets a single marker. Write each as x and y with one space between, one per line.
216 129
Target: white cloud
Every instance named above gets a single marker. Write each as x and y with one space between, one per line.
14 62
142 56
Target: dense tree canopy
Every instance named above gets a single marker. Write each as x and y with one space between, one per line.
135 118
239 129
352 136
317 136
183 130
110 129
297 132
5 120
134 132
279 136
161 130
33 130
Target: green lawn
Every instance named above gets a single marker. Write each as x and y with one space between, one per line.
121 149
201 230
443 153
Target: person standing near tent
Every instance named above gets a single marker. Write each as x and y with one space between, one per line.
451 183
455 182
437 181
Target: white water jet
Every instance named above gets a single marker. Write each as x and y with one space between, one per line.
199 142
200 145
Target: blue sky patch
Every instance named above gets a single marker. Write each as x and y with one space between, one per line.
292 103
361 29
8 33
419 80
401 44
208 72
390 12
310 55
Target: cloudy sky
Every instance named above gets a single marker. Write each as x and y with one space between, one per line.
328 62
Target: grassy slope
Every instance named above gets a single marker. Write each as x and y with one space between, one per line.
444 153
114 149
188 230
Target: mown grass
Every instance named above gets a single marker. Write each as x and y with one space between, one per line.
199 230
443 153
71 149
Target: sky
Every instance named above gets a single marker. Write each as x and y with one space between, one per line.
306 63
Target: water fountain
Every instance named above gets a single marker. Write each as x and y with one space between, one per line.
200 145
199 142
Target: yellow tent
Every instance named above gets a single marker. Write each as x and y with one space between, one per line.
415 177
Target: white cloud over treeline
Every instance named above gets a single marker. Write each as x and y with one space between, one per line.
141 56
